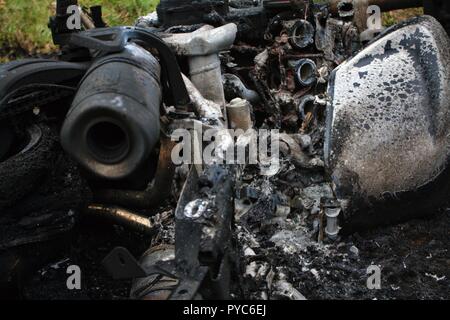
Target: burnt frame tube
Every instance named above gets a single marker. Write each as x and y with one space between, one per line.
123 217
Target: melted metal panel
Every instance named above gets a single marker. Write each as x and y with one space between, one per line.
388 120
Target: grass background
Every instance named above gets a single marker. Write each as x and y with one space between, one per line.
24 22
24 28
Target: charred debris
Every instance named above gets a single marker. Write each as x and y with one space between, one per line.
362 131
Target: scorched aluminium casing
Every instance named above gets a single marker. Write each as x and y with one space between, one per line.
387 140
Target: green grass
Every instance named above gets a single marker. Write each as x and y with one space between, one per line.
123 12
24 22
391 18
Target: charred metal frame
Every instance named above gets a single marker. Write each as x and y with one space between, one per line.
203 263
204 252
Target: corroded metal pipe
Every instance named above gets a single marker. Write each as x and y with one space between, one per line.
385 5
239 114
120 216
123 217
86 20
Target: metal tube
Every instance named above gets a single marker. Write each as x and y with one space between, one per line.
234 87
332 228
301 34
306 105
122 217
86 20
206 75
305 72
239 114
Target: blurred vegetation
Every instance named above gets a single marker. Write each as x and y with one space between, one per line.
24 22
391 18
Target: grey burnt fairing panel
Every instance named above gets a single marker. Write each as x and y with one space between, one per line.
387 140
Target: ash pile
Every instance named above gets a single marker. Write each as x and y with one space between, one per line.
242 149
290 214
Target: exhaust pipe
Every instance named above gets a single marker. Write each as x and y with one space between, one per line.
113 124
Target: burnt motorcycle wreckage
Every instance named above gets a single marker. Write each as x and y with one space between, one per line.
364 137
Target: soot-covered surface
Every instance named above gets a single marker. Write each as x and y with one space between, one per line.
414 259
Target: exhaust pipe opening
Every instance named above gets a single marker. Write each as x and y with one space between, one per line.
305 72
346 9
108 142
